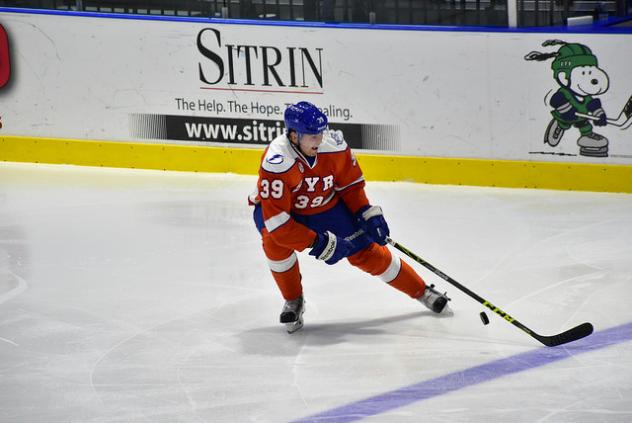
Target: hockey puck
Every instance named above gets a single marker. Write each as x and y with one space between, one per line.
484 318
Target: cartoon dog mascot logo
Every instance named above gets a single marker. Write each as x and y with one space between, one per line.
575 104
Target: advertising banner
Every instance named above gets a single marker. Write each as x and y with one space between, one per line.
496 95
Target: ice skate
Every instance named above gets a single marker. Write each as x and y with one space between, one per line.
593 145
553 134
292 314
433 299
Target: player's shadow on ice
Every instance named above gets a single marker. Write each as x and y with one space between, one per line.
274 340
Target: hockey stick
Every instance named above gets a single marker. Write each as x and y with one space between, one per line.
570 335
623 121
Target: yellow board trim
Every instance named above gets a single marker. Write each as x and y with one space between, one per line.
430 170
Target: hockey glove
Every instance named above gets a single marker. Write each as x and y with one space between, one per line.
563 107
603 120
330 248
372 221
594 107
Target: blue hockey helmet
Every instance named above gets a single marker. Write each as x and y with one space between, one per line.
305 118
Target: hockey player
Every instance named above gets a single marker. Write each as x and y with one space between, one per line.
310 195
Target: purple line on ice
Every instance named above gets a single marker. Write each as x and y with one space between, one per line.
472 376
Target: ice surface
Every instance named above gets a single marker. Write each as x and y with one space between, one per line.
143 296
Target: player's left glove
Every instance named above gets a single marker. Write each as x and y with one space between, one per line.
594 107
371 220
603 120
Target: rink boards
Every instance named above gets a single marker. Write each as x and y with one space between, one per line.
428 105
451 171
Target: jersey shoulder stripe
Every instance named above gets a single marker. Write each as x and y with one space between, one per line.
280 156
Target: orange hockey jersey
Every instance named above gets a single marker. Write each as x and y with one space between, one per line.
289 184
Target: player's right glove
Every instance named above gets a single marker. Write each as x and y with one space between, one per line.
568 115
330 248
563 107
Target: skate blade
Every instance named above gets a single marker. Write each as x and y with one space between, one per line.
446 312
294 326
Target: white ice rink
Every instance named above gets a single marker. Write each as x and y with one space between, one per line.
143 296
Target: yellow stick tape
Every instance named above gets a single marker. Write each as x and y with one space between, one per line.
478 172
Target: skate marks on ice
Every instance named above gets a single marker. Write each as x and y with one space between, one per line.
15 291
19 288
472 376
195 356
13 258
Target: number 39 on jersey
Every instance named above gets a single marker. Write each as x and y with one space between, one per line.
274 188
307 193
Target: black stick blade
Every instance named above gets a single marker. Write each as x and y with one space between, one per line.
627 109
578 332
